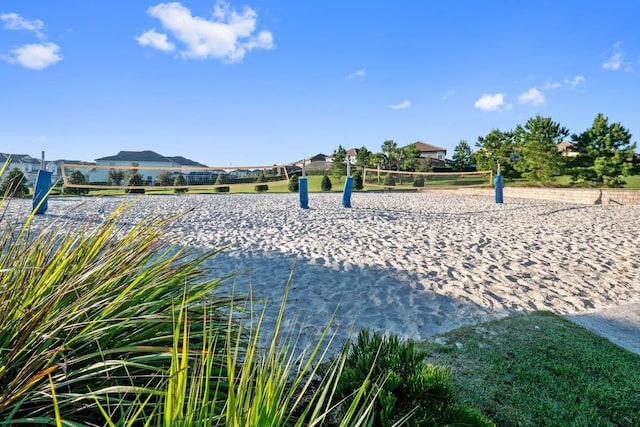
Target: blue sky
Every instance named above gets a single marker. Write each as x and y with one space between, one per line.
263 82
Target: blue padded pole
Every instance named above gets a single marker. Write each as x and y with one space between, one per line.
303 188
41 191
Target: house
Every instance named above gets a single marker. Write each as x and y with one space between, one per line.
144 160
55 167
317 162
27 164
352 155
567 149
428 151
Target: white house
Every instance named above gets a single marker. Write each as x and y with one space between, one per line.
144 159
27 164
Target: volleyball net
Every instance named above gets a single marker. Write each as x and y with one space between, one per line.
181 178
390 179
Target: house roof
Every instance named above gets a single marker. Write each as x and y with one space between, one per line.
150 156
566 146
18 158
136 156
352 152
423 146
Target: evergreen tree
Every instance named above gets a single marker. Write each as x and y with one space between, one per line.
325 184
77 178
180 181
462 156
339 166
294 184
14 184
496 147
358 183
134 179
605 153
222 179
363 157
537 145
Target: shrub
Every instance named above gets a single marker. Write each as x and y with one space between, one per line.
14 184
294 184
135 180
179 181
389 180
222 179
418 181
76 177
261 188
325 185
405 384
222 189
358 184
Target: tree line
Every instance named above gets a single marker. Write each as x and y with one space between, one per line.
603 154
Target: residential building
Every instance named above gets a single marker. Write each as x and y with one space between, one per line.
352 155
318 162
567 149
27 164
431 151
144 160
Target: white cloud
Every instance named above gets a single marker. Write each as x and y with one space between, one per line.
35 56
551 85
403 105
13 21
156 40
613 63
448 94
575 81
616 61
489 102
228 35
533 96
358 73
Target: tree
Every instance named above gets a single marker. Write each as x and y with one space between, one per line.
358 183
410 156
14 184
376 160
134 179
605 153
180 181
222 179
164 178
390 152
77 178
462 156
115 177
339 167
325 184
294 183
496 147
363 157
537 146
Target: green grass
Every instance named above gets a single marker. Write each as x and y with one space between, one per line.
541 370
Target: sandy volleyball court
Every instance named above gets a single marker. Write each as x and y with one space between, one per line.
409 264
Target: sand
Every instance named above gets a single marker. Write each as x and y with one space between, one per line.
413 265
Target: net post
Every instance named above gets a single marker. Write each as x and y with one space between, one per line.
348 187
303 187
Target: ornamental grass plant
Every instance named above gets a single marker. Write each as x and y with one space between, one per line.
104 322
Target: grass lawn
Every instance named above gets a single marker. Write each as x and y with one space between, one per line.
541 370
